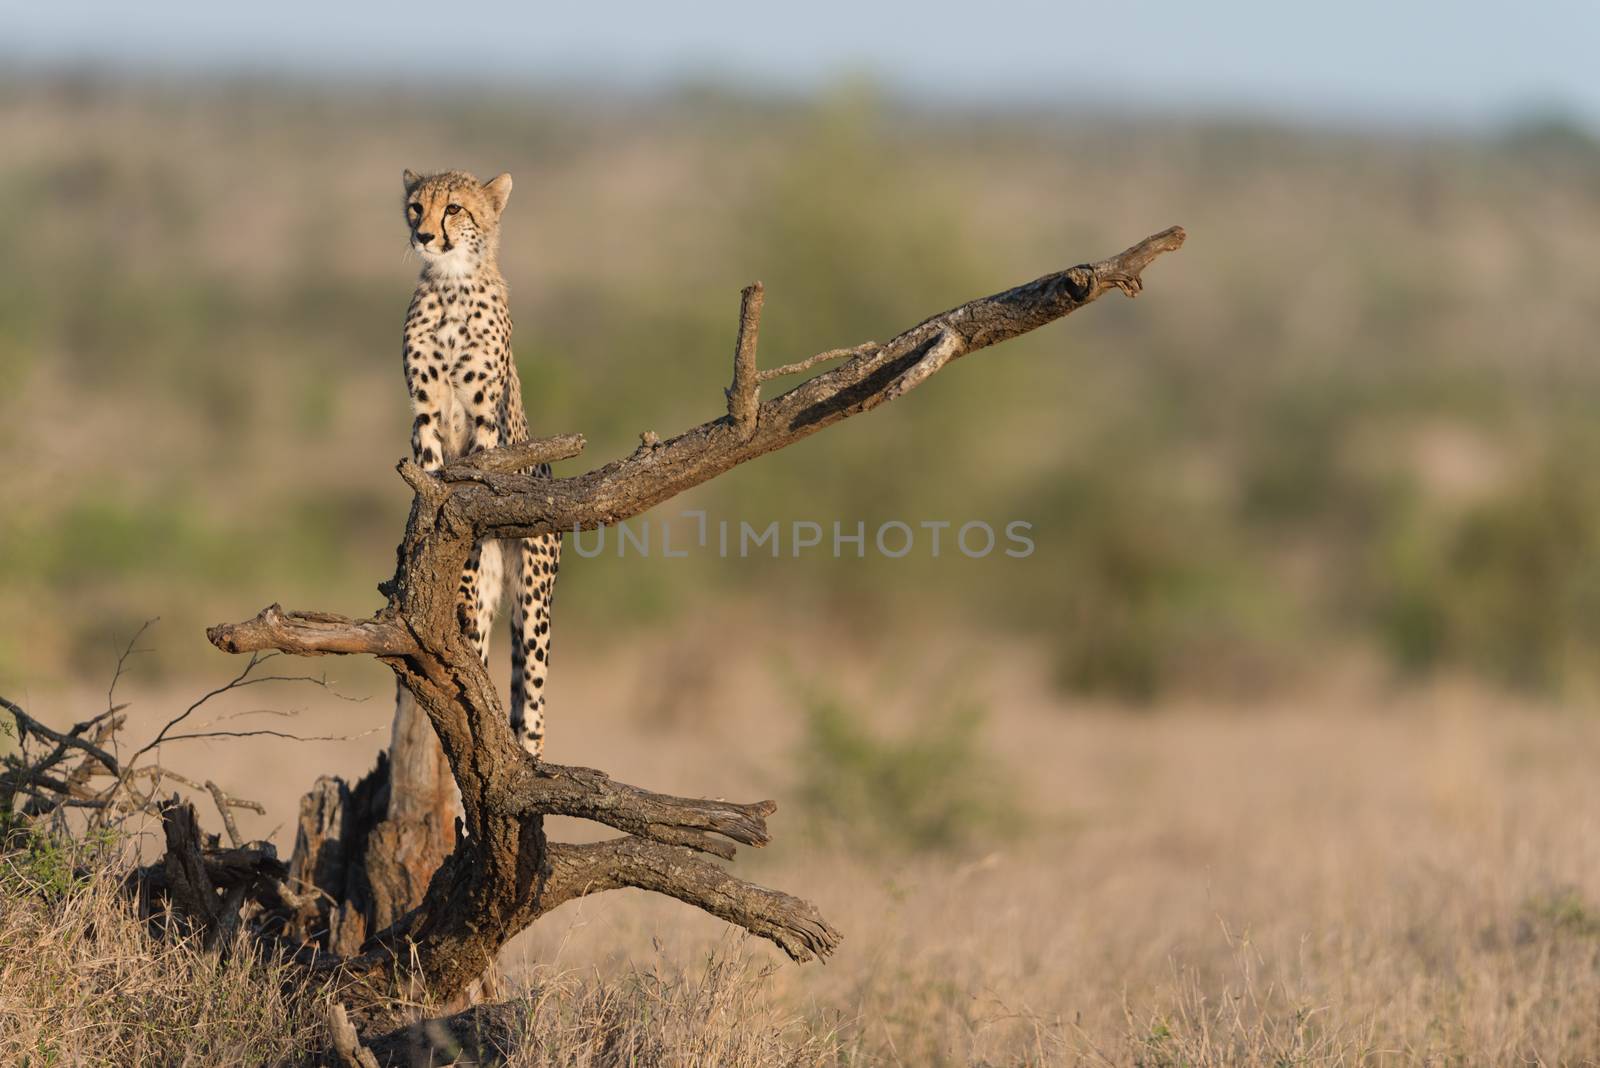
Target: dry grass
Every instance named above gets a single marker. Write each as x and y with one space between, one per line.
83 982
1420 885
716 1012
1353 876
1356 876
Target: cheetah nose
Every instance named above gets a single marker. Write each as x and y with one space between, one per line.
423 239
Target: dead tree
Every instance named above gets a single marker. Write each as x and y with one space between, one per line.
502 873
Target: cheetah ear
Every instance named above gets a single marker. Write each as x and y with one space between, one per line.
412 178
498 190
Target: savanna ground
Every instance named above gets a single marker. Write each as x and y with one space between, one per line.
1273 752
1360 879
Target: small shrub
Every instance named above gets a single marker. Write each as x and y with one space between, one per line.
1146 590
38 865
1509 588
932 788
1561 912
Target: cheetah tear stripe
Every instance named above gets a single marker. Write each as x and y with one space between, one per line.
466 397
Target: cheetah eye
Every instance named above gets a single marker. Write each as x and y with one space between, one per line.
452 209
416 208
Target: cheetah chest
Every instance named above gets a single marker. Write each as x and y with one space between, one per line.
467 337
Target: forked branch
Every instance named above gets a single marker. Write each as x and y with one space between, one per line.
871 374
793 925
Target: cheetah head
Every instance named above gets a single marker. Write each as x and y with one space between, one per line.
454 218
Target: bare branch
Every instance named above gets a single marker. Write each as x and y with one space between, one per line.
28 725
225 811
691 822
1125 271
49 802
102 735
939 353
313 634
511 458
522 506
48 792
158 775
790 923
424 485
744 396
346 1043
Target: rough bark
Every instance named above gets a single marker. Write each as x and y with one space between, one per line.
347 888
502 874
744 395
418 829
203 884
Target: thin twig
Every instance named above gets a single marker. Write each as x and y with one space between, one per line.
224 810
822 357
157 774
274 734
56 801
122 660
238 682
28 725
34 773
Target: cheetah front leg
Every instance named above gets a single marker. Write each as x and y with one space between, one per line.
483 579
430 406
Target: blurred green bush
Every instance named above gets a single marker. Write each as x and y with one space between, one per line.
1510 588
1352 414
932 787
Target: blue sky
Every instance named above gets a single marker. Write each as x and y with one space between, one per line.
1467 61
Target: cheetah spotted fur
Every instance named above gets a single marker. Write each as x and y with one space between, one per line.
466 397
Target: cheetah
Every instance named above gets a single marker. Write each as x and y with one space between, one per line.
466 397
